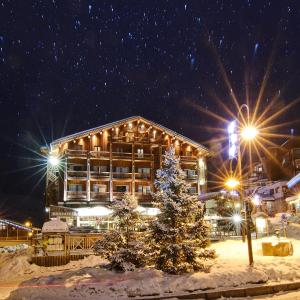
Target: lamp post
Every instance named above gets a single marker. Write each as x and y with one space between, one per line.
246 133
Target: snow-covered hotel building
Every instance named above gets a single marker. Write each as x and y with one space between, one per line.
88 169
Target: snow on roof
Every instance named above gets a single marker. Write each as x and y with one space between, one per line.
55 225
117 123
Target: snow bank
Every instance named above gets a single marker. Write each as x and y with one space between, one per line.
9 249
230 269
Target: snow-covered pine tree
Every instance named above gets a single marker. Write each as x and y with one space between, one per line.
121 246
179 234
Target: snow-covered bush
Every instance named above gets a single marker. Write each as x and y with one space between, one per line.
179 235
121 246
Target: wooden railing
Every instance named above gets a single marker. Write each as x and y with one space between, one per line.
192 177
143 156
146 176
76 195
143 197
188 158
122 155
100 154
77 174
99 196
95 174
118 175
81 244
77 153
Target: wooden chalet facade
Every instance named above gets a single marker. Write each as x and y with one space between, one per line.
100 164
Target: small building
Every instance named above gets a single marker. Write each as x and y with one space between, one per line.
272 196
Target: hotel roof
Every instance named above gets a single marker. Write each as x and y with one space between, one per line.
126 120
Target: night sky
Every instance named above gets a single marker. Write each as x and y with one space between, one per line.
67 66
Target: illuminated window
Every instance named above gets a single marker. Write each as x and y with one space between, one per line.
75 187
140 153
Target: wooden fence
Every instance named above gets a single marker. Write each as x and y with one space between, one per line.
55 260
81 244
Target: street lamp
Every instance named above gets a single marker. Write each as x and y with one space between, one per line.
246 133
232 183
249 133
256 200
53 160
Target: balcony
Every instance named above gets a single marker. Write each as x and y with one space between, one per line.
76 195
76 153
99 196
121 175
143 156
122 155
188 159
97 175
100 154
143 197
143 176
192 177
118 195
77 174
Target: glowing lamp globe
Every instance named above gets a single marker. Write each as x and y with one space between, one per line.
237 218
249 133
53 160
256 200
232 183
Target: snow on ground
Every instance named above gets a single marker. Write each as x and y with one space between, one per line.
88 279
15 268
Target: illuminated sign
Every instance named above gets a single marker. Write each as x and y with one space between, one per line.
233 139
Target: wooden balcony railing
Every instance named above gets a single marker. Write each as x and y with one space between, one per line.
192 177
118 195
100 154
188 158
76 195
143 197
95 174
143 156
122 155
76 153
104 196
118 175
146 176
77 174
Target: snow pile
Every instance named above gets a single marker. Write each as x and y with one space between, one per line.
293 231
9 249
14 264
294 219
55 225
230 269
